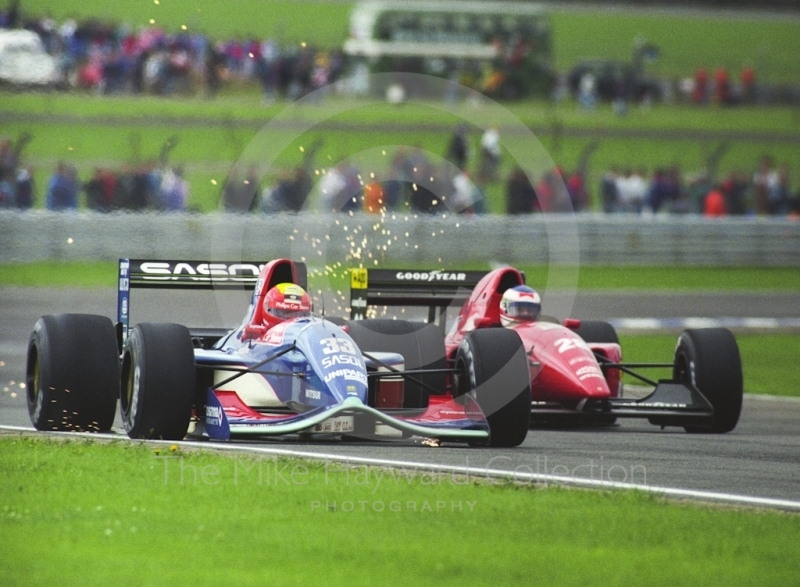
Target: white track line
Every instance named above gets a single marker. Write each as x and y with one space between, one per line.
508 476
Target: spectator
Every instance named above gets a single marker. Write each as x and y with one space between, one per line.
458 149
576 188
62 190
748 82
700 92
609 193
331 188
779 196
374 202
722 88
174 190
239 193
551 193
520 195
734 188
631 190
765 181
7 191
714 204
98 195
467 197
657 192
587 91
489 156
24 188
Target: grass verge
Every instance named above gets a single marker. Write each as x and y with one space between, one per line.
591 277
108 510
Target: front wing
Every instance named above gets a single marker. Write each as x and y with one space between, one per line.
227 416
671 403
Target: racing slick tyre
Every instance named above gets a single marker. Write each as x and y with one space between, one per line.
492 367
597 331
72 373
708 358
158 376
422 347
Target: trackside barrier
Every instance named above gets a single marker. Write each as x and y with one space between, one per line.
401 239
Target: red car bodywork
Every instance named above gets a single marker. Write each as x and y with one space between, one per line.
564 369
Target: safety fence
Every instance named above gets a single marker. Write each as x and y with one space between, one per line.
402 239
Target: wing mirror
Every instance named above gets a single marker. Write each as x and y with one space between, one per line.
572 323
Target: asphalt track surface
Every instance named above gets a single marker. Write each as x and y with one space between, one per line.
759 461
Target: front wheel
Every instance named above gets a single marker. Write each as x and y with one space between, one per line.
491 366
708 358
158 377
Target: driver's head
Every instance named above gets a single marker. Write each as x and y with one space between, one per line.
519 304
285 301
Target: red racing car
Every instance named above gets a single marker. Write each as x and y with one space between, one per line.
575 366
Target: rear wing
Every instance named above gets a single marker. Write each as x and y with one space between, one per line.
410 287
186 275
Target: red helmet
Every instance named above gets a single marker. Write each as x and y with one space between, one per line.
285 301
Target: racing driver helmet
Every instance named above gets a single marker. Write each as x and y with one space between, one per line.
285 301
519 304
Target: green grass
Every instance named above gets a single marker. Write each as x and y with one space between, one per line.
149 111
78 513
686 42
322 23
591 277
769 361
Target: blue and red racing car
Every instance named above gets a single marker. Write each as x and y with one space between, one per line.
282 371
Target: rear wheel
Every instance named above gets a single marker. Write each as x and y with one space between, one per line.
422 347
492 367
72 373
597 331
158 378
708 358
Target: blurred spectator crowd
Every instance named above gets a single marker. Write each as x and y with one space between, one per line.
148 186
113 57
412 181
766 192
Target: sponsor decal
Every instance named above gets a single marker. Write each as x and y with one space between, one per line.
588 372
214 415
349 374
340 424
337 345
581 359
567 344
434 275
313 394
160 271
333 360
358 303
275 334
651 405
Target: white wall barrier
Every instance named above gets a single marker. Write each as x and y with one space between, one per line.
400 239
